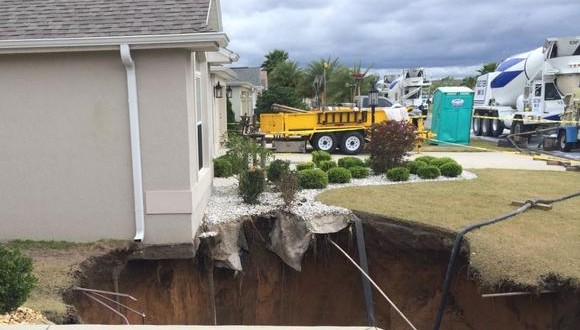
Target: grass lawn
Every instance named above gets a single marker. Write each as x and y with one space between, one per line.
522 249
54 263
479 145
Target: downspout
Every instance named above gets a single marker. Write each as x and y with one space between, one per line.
135 142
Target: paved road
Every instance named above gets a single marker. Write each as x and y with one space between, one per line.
503 160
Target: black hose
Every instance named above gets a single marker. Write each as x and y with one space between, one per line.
459 238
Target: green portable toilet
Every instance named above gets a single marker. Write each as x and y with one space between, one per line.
451 115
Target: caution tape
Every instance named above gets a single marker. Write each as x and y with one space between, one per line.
544 121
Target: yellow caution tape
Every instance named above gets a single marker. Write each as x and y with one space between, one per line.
545 121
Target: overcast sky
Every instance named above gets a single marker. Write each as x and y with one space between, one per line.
451 37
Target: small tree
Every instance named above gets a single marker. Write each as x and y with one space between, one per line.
390 142
16 279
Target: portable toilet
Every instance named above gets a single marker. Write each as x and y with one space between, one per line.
451 115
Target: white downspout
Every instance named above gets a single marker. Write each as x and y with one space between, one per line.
135 142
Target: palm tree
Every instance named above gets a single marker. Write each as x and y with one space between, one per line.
273 58
314 73
486 68
286 74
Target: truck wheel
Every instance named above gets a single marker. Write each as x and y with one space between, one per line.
564 146
518 127
476 126
325 142
497 127
352 143
486 127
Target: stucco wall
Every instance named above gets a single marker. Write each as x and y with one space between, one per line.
65 158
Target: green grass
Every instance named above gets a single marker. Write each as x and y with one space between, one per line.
522 250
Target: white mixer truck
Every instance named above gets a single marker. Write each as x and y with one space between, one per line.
526 90
410 89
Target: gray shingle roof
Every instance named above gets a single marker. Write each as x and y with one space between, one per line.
44 19
250 75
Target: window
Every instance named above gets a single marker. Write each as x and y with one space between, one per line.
552 93
199 118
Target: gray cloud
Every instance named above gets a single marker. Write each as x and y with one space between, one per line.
396 33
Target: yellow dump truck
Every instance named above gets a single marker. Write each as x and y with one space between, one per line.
334 127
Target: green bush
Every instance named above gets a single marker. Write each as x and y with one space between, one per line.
339 175
245 153
443 160
426 159
289 186
398 174
277 168
451 169
252 183
429 172
367 162
413 166
304 166
359 172
313 179
16 279
348 162
326 165
320 156
222 167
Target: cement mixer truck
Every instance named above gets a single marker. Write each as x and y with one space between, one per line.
527 90
410 89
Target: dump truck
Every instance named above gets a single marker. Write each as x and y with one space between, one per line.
332 128
526 90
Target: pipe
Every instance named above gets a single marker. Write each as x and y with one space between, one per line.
362 259
373 283
459 238
135 142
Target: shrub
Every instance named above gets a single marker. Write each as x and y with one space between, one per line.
390 142
451 169
398 174
252 183
443 160
429 172
339 175
304 166
289 185
359 172
326 165
416 165
425 159
16 279
245 153
222 167
320 156
348 162
277 169
367 162
313 179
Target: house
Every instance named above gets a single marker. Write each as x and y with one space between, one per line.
246 88
108 112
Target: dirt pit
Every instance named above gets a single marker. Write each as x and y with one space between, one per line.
407 263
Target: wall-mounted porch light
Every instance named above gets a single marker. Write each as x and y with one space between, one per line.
218 91
229 92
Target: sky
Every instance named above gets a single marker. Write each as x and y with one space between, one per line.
448 37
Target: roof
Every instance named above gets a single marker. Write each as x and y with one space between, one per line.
53 19
455 89
250 75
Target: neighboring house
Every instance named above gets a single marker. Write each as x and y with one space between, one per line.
107 118
246 88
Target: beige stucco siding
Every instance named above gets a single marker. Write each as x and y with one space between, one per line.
65 165
65 156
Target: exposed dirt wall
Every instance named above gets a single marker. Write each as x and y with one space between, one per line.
408 263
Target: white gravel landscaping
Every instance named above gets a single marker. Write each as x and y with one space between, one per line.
225 205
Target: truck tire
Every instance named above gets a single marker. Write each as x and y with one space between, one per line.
517 128
497 127
476 126
486 127
325 142
352 143
564 146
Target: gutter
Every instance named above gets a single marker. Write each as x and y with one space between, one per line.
206 41
135 142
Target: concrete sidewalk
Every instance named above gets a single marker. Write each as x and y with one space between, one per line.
469 160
